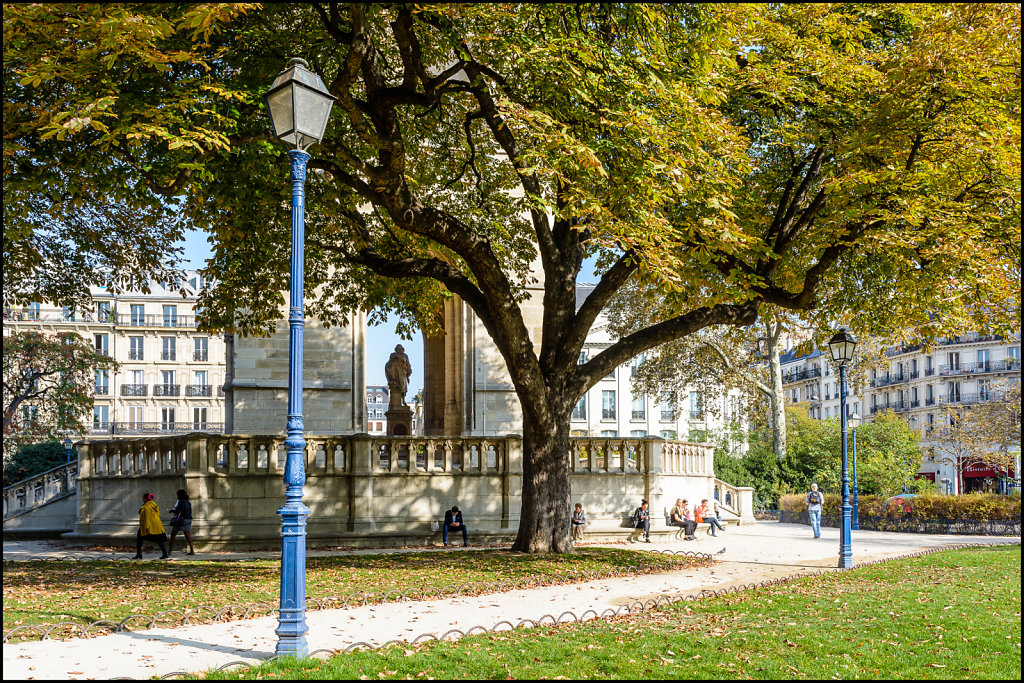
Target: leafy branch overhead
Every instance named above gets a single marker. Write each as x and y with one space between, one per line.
856 163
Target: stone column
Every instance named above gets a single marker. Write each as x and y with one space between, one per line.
654 466
360 512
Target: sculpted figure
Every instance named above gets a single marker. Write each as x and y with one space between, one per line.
397 371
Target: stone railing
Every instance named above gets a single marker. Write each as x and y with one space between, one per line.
364 489
29 494
738 500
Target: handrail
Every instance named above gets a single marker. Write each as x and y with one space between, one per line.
38 490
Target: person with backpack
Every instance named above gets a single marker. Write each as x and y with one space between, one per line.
642 520
815 499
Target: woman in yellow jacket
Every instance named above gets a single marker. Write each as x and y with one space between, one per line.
150 528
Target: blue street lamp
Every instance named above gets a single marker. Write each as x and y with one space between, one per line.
299 105
68 445
854 423
841 346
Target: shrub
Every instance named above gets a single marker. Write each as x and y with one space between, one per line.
924 506
33 459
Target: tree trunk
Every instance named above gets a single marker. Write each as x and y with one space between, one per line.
777 398
545 516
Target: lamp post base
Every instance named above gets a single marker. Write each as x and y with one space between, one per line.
291 622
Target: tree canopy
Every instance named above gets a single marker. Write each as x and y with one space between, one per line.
855 163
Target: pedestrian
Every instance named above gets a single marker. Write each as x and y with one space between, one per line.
689 525
710 517
579 521
815 499
181 521
150 528
453 520
642 520
677 517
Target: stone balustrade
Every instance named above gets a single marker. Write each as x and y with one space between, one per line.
370 490
34 492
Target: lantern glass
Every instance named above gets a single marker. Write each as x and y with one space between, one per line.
842 345
299 105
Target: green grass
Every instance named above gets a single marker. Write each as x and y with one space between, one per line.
954 614
50 592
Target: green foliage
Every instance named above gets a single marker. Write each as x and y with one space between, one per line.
32 459
884 622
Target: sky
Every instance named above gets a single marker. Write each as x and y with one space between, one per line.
380 339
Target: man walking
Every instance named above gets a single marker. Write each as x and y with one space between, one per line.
814 503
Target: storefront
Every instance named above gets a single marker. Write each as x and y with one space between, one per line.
983 478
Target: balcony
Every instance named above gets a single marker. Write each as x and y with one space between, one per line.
639 415
802 374
969 338
137 428
133 390
200 355
696 414
929 401
136 355
155 320
166 389
101 390
929 372
168 355
1008 365
199 390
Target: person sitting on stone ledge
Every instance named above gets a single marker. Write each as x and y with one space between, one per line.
642 522
453 520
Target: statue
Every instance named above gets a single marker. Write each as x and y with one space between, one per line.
398 370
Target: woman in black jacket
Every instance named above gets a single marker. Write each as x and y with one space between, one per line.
182 521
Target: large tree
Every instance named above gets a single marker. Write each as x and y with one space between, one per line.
845 161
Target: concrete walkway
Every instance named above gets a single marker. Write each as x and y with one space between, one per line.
751 554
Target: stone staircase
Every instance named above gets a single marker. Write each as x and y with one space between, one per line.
43 504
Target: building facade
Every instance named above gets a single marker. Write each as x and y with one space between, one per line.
171 375
916 383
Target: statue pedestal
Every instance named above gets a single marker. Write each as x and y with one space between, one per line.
399 421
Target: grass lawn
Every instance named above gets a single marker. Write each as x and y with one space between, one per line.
954 614
50 592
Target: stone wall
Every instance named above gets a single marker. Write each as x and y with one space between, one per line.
370 491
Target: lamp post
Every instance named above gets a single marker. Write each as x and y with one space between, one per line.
854 423
68 445
841 346
299 105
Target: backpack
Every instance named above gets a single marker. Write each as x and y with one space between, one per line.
638 518
815 498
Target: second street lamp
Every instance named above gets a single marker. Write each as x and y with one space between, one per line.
842 346
299 105
854 423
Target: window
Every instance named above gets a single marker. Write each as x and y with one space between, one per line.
696 406
135 348
102 381
138 314
30 414
609 433
199 419
103 311
1013 357
640 407
135 417
137 376
983 359
913 368
954 392
827 396
68 313
668 413
634 364
579 412
167 386
200 352
913 396
953 360
668 433
167 419
169 348
170 315
582 359
638 433
32 312
202 378
984 389
607 405
102 342
101 417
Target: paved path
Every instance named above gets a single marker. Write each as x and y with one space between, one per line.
752 554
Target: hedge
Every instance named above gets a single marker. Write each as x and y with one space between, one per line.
924 506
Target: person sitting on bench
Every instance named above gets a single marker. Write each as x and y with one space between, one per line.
453 520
